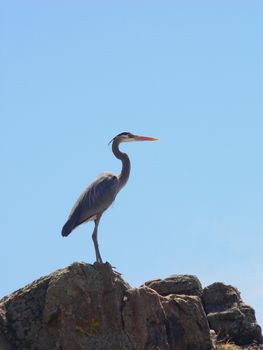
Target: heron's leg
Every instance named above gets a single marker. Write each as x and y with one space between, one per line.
94 237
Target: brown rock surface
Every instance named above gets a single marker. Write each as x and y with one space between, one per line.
227 314
91 307
176 284
187 325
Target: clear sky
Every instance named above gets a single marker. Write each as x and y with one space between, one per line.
76 73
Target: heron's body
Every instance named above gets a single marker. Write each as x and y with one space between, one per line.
101 193
92 202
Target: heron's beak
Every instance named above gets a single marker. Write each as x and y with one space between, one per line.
145 138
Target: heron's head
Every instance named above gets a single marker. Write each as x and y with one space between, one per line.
129 137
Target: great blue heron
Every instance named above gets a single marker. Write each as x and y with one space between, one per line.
100 194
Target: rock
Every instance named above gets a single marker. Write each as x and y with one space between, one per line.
220 297
184 311
63 310
187 325
91 307
144 319
231 319
176 284
21 315
213 337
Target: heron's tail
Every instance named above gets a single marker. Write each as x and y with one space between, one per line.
67 228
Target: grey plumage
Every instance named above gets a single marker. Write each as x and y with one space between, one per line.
101 193
95 199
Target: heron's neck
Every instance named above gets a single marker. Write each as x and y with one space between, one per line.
126 164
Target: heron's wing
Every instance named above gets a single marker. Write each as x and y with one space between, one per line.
95 199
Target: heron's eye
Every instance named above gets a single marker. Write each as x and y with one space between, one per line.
128 136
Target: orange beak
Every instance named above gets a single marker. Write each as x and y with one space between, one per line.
145 138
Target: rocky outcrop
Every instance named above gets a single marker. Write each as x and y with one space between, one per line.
177 284
91 307
229 316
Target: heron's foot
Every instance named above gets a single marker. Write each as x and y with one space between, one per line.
117 273
114 269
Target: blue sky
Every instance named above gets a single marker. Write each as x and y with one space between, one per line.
75 74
